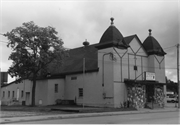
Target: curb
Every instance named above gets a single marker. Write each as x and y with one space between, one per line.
68 116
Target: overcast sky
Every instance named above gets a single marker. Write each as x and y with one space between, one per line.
76 21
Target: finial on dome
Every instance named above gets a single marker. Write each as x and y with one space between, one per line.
112 19
149 32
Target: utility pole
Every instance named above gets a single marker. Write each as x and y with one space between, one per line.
0 87
84 62
178 75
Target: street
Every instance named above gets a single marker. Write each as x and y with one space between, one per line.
145 118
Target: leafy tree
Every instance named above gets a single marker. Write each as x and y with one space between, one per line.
33 49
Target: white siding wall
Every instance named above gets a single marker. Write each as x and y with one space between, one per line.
44 92
108 88
51 95
128 72
159 70
92 89
24 86
41 92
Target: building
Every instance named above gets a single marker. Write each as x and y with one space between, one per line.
116 72
4 77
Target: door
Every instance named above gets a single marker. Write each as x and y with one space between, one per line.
149 93
27 98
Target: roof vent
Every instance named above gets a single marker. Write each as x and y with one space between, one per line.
86 43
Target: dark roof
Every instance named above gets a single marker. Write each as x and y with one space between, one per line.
74 63
152 46
128 39
13 82
113 36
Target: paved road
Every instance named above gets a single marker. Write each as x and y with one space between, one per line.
148 118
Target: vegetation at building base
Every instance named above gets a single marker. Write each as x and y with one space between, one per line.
33 49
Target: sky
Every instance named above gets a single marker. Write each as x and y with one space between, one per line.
77 20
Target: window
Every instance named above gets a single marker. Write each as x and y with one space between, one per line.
13 94
80 92
56 88
8 94
73 78
22 94
3 94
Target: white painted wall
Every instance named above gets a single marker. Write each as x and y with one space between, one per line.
51 95
41 92
120 94
45 94
159 70
24 86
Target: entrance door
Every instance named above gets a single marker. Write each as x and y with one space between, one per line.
27 98
149 93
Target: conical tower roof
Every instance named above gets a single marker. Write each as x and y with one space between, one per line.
152 46
113 36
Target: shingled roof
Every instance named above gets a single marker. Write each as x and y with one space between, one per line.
74 63
112 37
152 46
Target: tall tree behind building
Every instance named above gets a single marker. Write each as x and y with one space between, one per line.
33 49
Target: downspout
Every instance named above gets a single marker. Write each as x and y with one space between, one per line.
142 66
128 68
121 65
103 66
110 53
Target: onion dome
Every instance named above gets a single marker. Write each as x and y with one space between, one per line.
112 37
152 46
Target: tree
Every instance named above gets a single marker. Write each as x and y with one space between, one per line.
33 49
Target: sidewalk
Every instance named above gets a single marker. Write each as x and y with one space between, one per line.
66 116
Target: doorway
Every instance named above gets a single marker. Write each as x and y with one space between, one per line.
27 98
149 93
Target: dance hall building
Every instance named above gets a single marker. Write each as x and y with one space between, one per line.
115 72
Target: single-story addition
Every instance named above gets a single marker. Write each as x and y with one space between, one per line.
116 72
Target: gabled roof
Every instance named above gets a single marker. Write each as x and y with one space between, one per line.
129 39
152 46
74 63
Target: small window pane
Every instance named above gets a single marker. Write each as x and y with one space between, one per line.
80 92
22 93
56 88
13 94
73 78
8 93
3 94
